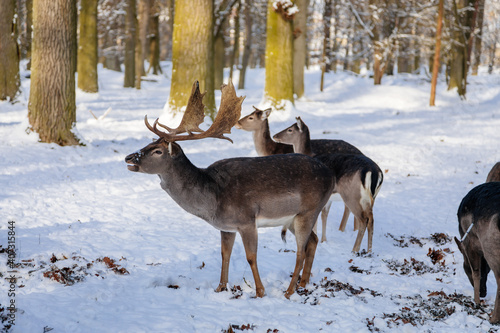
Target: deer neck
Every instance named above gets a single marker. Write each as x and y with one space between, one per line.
262 140
303 146
190 187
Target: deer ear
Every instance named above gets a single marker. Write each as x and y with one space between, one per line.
266 113
173 149
299 124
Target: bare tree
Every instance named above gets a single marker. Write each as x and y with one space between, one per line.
437 50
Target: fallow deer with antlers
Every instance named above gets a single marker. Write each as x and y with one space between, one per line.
358 178
239 195
257 122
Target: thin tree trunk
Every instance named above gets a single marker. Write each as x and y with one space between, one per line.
9 51
478 38
154 39
130 41
87 47
143 21
248 44
435 66
234 54
51 108
459 54
300 47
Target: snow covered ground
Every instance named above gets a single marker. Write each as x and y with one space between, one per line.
101 249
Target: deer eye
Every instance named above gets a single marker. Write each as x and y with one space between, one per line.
290 130
158 152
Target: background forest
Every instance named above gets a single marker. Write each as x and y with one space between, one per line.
202 37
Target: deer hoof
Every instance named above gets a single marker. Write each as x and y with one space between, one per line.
221 287
260 293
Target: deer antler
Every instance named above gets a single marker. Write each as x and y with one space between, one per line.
227 116
194 114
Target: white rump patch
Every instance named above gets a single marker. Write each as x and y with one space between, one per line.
366 195
264 222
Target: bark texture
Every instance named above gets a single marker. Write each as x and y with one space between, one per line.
299 47
51 108
279 59
130 41
9 51
87 47
192 45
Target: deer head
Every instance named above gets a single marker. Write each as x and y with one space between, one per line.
254 121
156 157
296 135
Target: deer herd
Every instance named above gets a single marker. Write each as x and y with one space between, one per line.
294 179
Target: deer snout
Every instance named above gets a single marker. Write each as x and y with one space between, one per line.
132 160
238 125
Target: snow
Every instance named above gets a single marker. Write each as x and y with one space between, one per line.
80 204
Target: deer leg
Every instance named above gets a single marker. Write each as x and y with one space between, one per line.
227 242
324 216
302 230
476 278
370 232
361 233
250 242
311 245
345 217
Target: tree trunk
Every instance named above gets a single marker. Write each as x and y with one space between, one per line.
9 51
435 66
219 60
279 59
143 30
51 108
459 52
130 39
327 23
192 44
87 47
478 38
300 47
248 44
154 39
233 60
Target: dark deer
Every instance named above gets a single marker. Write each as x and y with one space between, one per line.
479 228
494 174
358 178
239 195
257 122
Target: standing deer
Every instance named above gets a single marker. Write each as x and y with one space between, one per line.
358 178
257 122
494 174
239 195
479 228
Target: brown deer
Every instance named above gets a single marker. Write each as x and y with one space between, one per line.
257 122
494 174
479 228
239 195
358 178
